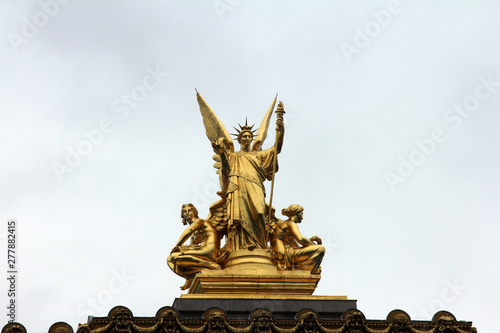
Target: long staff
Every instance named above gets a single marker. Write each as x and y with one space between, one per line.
280 111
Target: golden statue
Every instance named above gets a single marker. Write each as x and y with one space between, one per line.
242 176
188 260
286 241
257 243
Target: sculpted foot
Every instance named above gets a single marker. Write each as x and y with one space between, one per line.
187 284
215 266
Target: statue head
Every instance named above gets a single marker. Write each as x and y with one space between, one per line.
14 328
355 322
216 321
122 319
60 327
294 210
263 321
168 321
446 324
309 322
245 135
401 324
188 213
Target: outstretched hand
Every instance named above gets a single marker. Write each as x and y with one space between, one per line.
316 239
219 145
176 249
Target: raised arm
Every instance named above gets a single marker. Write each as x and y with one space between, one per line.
280 131
220 147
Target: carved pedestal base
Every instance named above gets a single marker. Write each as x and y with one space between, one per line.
251 280
282 306
247 283
251 273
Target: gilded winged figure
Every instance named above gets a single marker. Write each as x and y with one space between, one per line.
242 174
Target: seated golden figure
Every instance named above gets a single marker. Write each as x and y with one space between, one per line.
293 250
188 260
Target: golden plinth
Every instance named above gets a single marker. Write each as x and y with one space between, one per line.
250 260
253 272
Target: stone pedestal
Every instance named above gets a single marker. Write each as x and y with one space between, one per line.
252 283
281 306
251 279
253 272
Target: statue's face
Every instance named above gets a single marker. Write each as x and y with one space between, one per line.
216 324
15 328
445 326
169 323
122 322
263 323
310 324
188 213
246 139
300 216
401 325
356 325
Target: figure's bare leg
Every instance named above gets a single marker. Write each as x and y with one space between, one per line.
309 258
188 266
193 263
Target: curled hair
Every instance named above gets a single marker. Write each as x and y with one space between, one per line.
193 208
292 210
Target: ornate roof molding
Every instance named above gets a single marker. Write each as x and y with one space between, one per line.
167 320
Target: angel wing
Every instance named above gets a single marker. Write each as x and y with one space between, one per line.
213 126
273 221
218 216
262 133
215 130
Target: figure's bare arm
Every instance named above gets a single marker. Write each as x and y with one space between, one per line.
277 240
280 130
187 233
294 230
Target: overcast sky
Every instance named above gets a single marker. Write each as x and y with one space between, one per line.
391 145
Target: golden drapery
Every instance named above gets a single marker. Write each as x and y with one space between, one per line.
246 197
